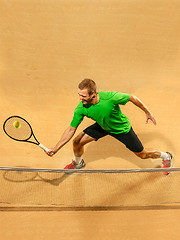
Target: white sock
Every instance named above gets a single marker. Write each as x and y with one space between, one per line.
77 159
164 156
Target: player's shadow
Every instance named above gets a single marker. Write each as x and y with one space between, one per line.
109 147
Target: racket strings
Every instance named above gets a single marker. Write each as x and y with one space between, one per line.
17 128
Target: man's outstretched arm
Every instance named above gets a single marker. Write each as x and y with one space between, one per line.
66 137
141 105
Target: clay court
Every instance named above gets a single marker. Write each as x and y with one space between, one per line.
46 49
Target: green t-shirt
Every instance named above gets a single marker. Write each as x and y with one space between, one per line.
106 112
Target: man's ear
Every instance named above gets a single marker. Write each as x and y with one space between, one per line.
93 95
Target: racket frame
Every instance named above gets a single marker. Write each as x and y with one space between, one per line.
27 139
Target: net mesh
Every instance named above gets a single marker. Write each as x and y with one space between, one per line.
82 189
17 128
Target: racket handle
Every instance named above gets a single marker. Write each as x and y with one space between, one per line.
43 147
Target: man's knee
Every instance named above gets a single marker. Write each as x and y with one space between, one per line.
76 140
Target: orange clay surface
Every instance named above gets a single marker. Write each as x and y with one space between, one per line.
46 48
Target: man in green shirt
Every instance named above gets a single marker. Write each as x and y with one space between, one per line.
103 108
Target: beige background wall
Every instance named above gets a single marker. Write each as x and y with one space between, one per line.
48 47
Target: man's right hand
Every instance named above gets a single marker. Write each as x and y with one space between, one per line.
51 152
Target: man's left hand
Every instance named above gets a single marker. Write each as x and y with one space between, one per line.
149 116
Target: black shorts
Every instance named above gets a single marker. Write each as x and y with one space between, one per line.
130 139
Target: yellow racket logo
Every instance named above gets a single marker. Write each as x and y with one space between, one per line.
16 124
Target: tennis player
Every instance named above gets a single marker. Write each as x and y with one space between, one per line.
104 109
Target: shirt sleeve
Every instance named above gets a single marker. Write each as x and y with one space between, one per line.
121 98
77 118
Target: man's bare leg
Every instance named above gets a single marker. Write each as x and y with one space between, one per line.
166 157
78 145
78 148
148 154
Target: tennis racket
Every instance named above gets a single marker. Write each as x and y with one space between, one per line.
19 129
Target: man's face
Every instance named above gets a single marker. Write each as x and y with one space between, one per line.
85 97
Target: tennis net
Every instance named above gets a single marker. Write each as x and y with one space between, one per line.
88 188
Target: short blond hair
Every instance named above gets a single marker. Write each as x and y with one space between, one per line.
88 84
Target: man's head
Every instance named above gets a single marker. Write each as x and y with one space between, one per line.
87 91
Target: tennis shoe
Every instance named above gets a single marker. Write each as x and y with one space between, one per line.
167 163
71 165
81 164
74 165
